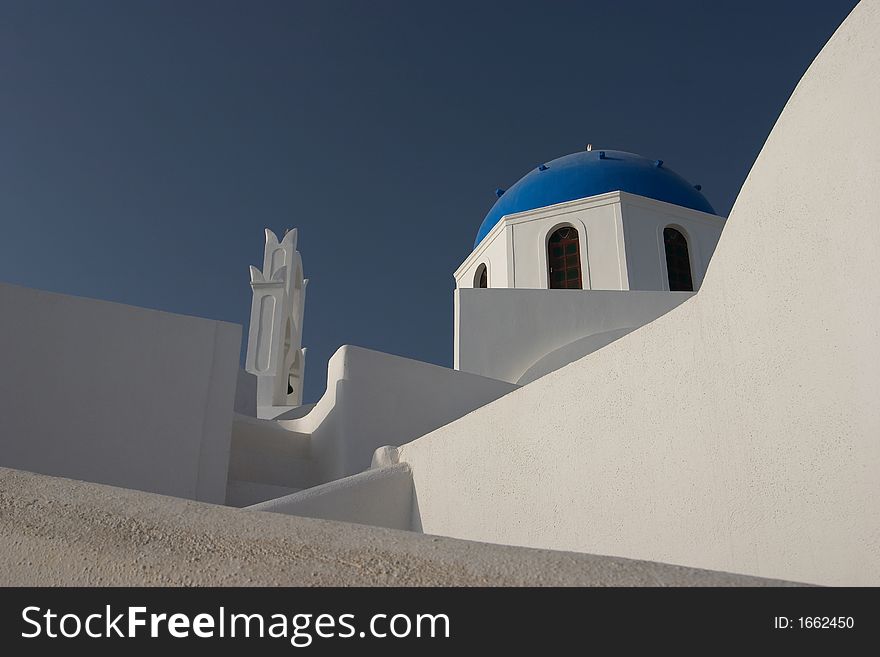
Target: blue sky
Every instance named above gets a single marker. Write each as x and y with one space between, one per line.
144 146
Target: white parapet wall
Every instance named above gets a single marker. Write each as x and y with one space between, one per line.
375 399
520 335
246 394
740 431
115 394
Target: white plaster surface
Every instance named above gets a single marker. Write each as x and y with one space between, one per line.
375 399
741 431
372 399
381 497
116 394
57 532
643 224
493 252
512 334
246 394
267 461
245 493
620 237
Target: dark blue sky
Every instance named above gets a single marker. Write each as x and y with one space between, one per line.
145 145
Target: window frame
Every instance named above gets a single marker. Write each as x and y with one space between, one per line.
482 270
689 253
581 265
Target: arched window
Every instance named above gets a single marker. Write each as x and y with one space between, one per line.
678 261
481 278
564 259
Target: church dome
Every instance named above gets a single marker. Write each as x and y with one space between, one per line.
589 173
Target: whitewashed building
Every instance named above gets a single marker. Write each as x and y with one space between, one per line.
634 375
595 220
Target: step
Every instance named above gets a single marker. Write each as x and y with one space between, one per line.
240 493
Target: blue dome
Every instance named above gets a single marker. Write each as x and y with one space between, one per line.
588 173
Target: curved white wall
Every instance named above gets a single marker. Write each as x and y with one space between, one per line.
505 334
741 431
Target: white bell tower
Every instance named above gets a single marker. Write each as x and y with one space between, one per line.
275 354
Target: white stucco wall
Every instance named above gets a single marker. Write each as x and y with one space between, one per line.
741 431
494 252
246 394
116 394
597 221
621 243
381 497
643 224
375 399
266 461
502 334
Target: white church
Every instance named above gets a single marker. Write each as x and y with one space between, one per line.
634 375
